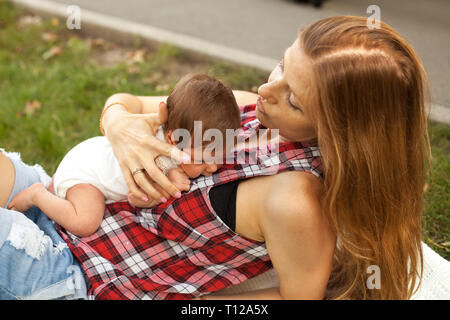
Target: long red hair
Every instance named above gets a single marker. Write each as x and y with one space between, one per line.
371 118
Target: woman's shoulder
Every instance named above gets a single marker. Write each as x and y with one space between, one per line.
294 184
293 198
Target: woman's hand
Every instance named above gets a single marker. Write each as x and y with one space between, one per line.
137 202
135 145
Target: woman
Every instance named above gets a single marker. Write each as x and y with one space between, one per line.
360 94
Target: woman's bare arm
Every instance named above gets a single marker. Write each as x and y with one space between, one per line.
150 104
244 98
299 242
298 239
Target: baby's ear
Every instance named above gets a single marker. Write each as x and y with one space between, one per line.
169 137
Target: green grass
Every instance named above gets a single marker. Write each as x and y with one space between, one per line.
73 86
436 220
71 89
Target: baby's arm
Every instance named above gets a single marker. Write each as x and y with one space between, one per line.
81 214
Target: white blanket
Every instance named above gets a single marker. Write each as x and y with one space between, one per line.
435 282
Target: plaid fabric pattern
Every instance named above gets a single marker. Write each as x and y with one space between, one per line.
181 249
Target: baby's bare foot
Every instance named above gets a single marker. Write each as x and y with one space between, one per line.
25 199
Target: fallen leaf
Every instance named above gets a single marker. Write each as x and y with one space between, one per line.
153 79
49 36
133 69
162 87
98 42
53 51
54 22
137 56
31 107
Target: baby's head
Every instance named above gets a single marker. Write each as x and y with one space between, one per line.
198 97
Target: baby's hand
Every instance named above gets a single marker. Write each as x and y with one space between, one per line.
24 199
179 178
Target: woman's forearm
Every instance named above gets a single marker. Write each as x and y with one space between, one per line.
133 103
116 108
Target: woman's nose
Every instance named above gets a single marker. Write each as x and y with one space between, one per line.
266 91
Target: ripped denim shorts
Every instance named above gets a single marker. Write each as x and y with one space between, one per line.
35 262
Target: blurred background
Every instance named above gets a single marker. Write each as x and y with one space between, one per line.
268 27
54 80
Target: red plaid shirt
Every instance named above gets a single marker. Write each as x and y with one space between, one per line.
181 249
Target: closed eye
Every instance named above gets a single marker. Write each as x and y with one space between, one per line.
293 106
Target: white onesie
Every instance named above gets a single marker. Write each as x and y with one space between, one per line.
93 162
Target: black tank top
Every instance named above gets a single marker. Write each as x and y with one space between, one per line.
223 200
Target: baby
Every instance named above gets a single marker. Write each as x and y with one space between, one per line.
90 176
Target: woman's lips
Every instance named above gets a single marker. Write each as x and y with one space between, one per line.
259 105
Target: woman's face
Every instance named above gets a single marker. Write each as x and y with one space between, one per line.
284 101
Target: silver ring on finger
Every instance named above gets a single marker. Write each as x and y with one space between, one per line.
137 170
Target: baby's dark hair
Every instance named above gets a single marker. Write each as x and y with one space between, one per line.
199 97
